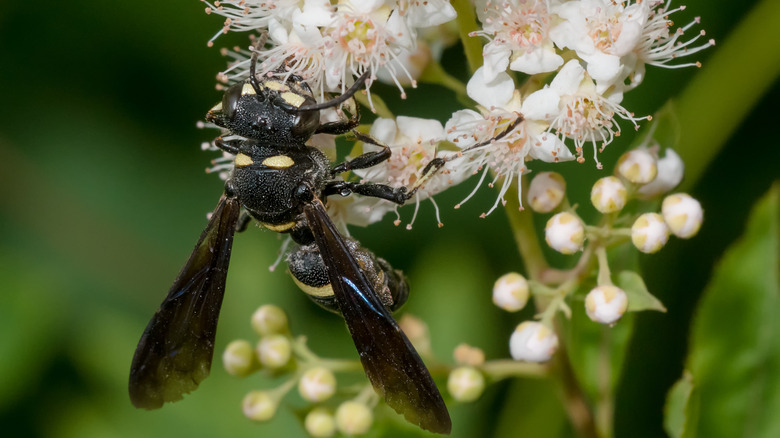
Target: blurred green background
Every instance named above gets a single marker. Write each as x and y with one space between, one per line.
103 195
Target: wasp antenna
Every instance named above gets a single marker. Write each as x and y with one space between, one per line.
255 48
338 100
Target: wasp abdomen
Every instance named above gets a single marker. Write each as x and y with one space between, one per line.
310 274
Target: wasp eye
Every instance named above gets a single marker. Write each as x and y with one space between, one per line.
230 100
305 124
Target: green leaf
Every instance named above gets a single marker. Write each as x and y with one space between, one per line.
735 347
639 298
680 410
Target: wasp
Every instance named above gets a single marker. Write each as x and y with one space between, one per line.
284 185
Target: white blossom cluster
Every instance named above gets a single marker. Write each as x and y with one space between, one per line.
329 44
580 56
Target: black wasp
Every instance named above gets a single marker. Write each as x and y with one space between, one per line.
283 184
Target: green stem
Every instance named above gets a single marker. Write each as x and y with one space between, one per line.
709 118
467 23
524 232
505 368
605 408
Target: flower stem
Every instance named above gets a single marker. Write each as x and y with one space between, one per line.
524 232
467 23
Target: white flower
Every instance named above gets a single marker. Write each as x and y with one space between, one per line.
317 384
365 35
565 233
608 195
546 191
683 214
575 109
413 142
659 46
606 304
320 423
638 166
465 384
495 140
601 32
250 15
533 342
517 30
670 173
510 292
649 233
353 418
426 13
617 38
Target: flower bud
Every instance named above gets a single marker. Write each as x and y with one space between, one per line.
670 173
317 384
546 192
465 354
533 342
319 423
259 406
510 292
416 331
269 319
683 215
649 233
274 351
606 304
638 166
239 359
609 195
565 233
465 384
353 418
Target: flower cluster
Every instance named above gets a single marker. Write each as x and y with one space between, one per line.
608 45
327 44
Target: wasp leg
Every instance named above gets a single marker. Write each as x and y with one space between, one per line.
346 124
344 188
366 160
243 221
229 146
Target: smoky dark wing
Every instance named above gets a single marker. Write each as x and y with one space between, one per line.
175 351
391 363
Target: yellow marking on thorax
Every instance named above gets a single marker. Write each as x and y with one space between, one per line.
293 99
243 160
322 291
276 86
215 108
278 228
248 89
278 162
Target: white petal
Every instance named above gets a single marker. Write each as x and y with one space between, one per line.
384 130
549 148
422 130
277 32
569 78
496 60
541 104
430 13
603 67
315 13
493 93
537 61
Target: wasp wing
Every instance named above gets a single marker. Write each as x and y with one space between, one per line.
175 351
391 363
